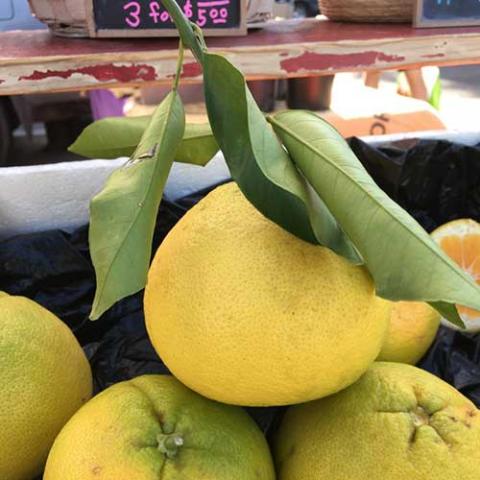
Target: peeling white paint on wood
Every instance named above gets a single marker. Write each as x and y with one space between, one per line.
38 73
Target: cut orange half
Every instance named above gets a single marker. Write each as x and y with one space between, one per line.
460 240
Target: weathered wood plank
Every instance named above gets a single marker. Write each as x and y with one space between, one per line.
32 62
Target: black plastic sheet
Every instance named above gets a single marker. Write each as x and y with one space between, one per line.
436 181
455 357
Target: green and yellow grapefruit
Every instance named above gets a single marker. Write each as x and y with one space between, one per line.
154 428
396 423
44 379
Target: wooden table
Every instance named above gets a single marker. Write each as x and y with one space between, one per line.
36 61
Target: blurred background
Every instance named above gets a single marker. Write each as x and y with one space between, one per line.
36 129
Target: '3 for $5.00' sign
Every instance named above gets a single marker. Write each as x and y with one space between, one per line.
142 18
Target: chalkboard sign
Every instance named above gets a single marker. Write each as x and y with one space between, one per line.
439 13
149 18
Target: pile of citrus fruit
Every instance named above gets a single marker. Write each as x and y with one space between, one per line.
244 314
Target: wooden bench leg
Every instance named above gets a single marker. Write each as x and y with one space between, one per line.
415 80
372 79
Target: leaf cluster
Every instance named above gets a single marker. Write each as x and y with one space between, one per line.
294 167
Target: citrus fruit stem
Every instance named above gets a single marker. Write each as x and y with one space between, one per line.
420 417
169 444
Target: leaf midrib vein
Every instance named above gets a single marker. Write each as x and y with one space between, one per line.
137 215
133 146
344 173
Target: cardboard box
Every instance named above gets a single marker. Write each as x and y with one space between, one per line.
363 111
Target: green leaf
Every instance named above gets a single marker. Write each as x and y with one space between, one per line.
405 262
198 146
111 137
260 165
123 214
119 137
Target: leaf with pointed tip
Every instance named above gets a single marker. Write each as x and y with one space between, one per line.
116 137
123 214
260 165
404 261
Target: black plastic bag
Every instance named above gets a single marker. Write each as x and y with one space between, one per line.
455 357
435 181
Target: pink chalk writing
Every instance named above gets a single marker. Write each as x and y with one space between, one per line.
152 13
187 9
214 3
133 18
202 17
223 16
165 17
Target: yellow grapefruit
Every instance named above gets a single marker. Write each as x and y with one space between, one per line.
243 312
44 378
413 327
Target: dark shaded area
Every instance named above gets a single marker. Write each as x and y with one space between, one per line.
455 357
450 9
436 181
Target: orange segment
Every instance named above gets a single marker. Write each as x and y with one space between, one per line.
460 240
467 312
453 247
471 255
